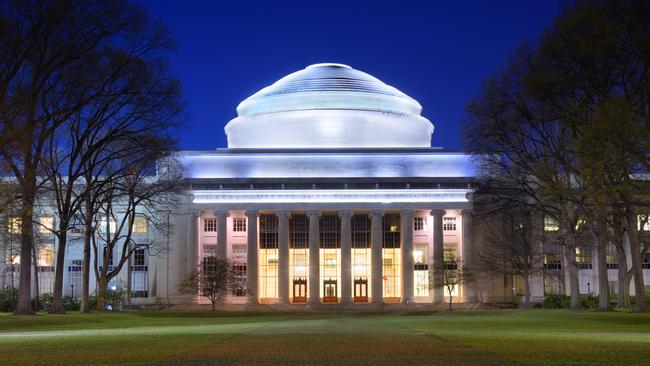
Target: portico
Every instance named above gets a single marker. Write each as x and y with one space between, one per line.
330 194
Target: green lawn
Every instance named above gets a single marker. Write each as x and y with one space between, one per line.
507 337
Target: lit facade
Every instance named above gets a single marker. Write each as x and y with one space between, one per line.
328 194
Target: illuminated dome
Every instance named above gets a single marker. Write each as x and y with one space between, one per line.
329 106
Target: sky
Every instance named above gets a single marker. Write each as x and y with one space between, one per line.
438 52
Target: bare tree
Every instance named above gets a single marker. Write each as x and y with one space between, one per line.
509 246
452 274
213 280
148 185
56 57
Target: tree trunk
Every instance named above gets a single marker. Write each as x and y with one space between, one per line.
570 259
600 243
57 293
623 281
526 277
102 291
85 281
24 306
635 249
37 295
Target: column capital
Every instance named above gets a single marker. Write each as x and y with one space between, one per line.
252 213
222 213
437 212
313 213
407 212
379 213
345 213
466 212
283 213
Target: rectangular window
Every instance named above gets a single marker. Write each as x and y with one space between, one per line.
139 257
418 223
15 225
448 224
583 257
643 222
646 261
239 224
46 256
140 224
550 224
610 258
46 224
298 257
239 278
421 269
330 258
112 226
209 251
210 225
330 234
268 256
361 257
391 257
238 250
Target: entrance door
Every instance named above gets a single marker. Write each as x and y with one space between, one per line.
360 289
330 291
300 291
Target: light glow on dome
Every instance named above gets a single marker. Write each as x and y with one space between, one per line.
329 105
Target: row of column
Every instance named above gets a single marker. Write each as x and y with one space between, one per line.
436 270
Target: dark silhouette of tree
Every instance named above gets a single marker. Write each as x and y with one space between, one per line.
57 58
213 280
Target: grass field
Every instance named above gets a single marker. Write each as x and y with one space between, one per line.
506 337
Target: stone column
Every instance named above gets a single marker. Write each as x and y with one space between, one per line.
222 234
406 244
469 288
346 256
376 242
251 258
438 257
283 256
314 257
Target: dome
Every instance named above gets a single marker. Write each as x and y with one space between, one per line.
329 105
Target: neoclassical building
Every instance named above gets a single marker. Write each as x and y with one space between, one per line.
329 192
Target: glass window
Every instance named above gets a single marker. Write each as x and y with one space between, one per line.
239 249
449 224
330 257
140 224
138 257
583 257
102 226
46 224
46 256
391 256
418 223
15 225
550 224
421 268
210 225
268 255
239 278
361 257
239 224
643 222
299 257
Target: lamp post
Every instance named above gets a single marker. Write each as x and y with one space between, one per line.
588 289
72 289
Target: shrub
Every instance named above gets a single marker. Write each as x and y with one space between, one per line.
555 301
44 302
8 299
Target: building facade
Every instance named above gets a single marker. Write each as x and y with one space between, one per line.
328 193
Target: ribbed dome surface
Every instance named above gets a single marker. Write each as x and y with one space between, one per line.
329 106
329 86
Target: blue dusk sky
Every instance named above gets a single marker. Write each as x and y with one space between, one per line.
438 52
